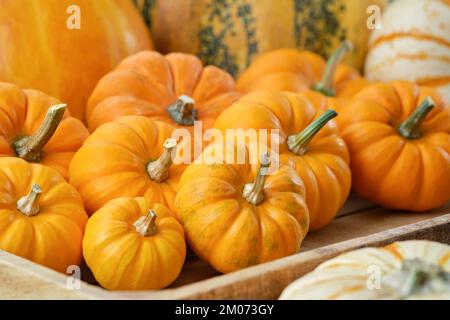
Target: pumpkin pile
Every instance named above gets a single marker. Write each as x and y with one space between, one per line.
139 173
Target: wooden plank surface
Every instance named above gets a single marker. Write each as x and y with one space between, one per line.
23 279
352 229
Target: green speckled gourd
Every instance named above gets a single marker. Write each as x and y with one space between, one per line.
229 33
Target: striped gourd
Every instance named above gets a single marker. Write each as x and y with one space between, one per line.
414 269
230 33
414 44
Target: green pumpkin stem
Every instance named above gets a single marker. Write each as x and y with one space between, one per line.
410 128
29 204
146 225
158 170
253 192
325 86
30 148
298 143
182 111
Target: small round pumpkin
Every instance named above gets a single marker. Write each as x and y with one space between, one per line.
398 135
134 244
300 71
411 270
132 156
309 141
235 214
42 217
175 88
38 128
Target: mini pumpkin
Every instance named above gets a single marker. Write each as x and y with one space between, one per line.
132 156
398 135
175 88
42 217
410 270
235 214
38 128
304 71
309 141
133 244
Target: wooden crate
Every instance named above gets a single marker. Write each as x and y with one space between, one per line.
359 224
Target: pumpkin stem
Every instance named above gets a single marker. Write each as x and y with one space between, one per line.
182 111
29 204
253 192
158 170
30 148
417 276
410 128
325 86
146 225
298 143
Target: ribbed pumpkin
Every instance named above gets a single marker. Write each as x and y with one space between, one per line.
309 142
38 128
130 157
175 88
41 50
230 33
404 270
133 244
240 213
42 217
304 71
398 135
413 44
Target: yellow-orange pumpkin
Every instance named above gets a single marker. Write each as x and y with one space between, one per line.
38 128
42 217
129 157
237 215
133 244
309 142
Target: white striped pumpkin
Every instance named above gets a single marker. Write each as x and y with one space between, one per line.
413 43
416 269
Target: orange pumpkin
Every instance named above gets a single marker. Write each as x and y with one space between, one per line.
309 141
63 47
42 217
133 244
132 156
37 128
175 88
398 135
300 71
236 215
